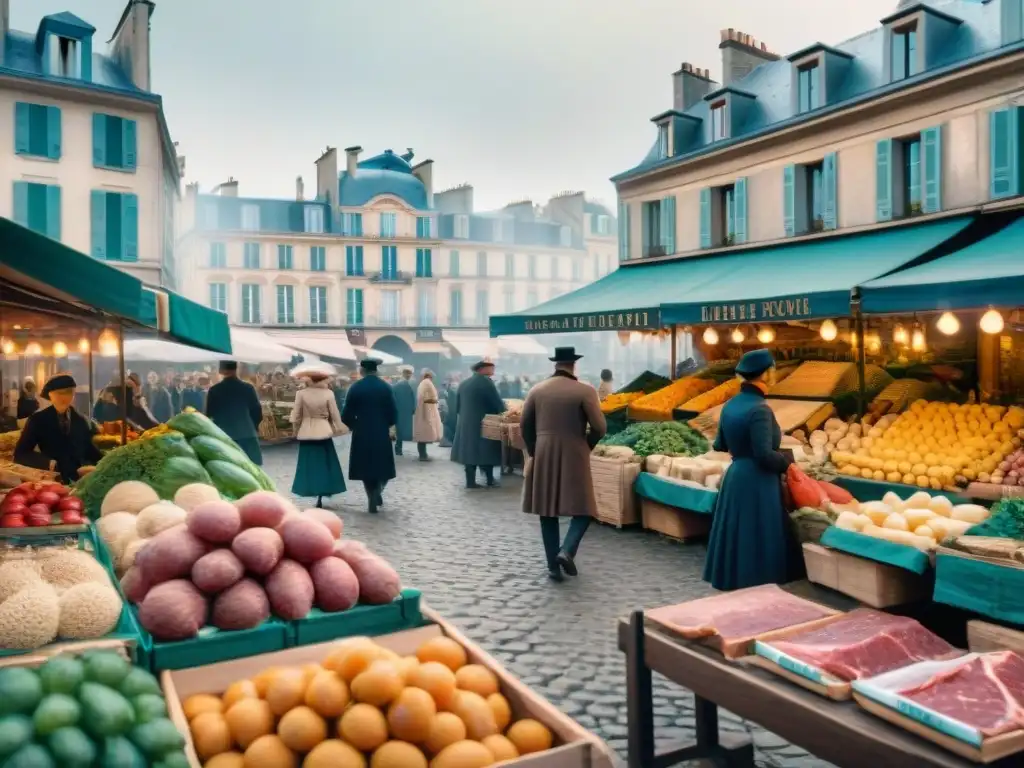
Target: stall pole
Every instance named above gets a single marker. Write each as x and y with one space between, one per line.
124 384
858 320
91 377
673 353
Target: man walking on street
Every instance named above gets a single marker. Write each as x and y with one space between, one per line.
234 406
405 399
370 412
557 480
477 397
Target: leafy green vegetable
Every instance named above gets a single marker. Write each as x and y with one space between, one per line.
1005 522
660 437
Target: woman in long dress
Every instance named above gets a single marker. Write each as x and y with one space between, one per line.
318 472
426 422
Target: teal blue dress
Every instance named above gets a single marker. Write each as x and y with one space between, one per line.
751 540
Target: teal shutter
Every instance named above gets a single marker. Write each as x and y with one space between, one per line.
22 127
99 139
668 224
645 229
129 149
705 218
129 227
883 180
829 192
98 216
623 231
53 211
789 200
740 207
1004 152
1012 21
359 306
21 202
931 151
53 133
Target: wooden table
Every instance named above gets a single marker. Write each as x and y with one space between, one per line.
839 732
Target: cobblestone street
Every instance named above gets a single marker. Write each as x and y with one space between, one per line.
479 562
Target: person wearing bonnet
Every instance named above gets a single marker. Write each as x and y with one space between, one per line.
58 437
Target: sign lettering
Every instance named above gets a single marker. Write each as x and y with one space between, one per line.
753 311
634 319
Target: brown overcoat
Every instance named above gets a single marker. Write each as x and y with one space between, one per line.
554 422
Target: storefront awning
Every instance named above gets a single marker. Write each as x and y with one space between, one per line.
471 344
376 354
325 345
251 346
521 345
198 326
430 348
988 273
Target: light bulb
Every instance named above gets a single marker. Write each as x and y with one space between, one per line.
7 346
872 342
948 324
991 322
737 336
766 335
32 349
900 336
853 338
60 349
710 336
917 342
83 345
828 331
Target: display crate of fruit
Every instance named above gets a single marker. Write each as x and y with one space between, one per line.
399 699
658 406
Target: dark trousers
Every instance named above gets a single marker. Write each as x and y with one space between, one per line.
398 447
488 471
422 448
549 533
374 489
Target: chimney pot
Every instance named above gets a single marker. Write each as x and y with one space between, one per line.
352 159
299 189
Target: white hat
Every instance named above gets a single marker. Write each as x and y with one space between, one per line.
313 370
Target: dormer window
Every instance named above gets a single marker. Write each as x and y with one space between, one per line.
663 140
809 87
904 52
718 124
65 57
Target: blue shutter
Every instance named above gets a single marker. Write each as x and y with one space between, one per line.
789 200
705 218
53 133
129 148
645 229
668 224
21 203
1012 21
883 180
98 217
829 192
740 208
623 231
22 127
99 139
1004 152
53 211
129 227
931 151
359 306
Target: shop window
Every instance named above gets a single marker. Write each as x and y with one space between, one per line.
37 130
37 207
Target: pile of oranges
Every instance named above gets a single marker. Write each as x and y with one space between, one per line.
365 707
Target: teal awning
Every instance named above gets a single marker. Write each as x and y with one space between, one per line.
988 273
198 326
803 281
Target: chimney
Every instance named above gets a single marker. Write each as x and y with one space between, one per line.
299 190
689 85
327 175
5 24
228 189
425 172
741 53
129 44
457 199
352 160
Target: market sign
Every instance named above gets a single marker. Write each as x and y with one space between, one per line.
777 309
622 320
771 309
428 334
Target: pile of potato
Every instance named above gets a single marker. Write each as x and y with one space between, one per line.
921 521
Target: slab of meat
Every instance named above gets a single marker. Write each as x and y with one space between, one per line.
986 693
864 643
737 617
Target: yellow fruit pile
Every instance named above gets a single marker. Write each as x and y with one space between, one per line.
364 707
614 402
658 406
934 445
713 397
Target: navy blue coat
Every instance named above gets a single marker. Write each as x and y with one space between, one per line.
234 406
751 540
476 398
370 412
405 399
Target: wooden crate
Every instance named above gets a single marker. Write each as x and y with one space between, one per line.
678 523
613 487
872 583
490 427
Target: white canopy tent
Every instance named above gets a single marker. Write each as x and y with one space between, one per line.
472 343
384 357
333 346
247 345
522 345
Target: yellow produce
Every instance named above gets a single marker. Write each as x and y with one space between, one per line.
658 406
412 715
270 752
713 397
398 754
334 753
248 719
478 679
196 705
501 747
615 402
530 736
444 650
463 754
501 709
446 728
210 734
301 729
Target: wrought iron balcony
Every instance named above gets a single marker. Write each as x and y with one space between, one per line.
399 278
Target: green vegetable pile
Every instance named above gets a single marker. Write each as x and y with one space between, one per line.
91 710
660 437
1005 522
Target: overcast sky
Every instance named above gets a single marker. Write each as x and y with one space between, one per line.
521 98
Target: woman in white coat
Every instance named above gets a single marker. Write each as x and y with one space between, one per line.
316 415
426 422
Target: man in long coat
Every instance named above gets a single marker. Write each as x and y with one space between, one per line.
451 417
405 399
557 480
370 412
477 397
234 406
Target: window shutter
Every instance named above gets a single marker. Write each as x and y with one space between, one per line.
359 305
99 139
1012 21
129 148
789 200
740 207
829 192
645 229
883 180
1004 152
21 203
668 224
931 151
99 224
129 227
22 127
705 218
53 211
623 231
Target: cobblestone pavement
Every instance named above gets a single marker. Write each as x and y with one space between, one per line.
479 562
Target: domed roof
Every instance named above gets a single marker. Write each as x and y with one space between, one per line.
383 174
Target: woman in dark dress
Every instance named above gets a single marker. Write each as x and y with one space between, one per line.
27 402
751 541
58 436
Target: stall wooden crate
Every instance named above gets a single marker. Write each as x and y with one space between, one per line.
674 522
613 488
872 583
490 427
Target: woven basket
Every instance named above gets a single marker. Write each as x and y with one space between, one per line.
808 530
490 427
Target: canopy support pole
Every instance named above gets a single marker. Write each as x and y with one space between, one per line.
124 384
858 320
673 353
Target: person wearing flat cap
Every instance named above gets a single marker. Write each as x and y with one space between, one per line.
58 436
557 483
234 406
751 542
370 411
477 397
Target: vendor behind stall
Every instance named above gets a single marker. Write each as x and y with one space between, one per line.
58 434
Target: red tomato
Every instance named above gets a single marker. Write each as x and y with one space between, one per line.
38 521
71 517
12 521
14 498
38 509
70 502
60 490
17 507
49 498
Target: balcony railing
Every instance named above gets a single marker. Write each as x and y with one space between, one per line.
389 321
401 278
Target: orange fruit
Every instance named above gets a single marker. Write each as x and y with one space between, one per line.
301 729
309 671
286 690
500 747
327 694
226 760
437 680
334 753
411 715
238 690
407 665
478 679
379 684
200 703
351 657
463 754
364 727
398 754
270 752
445 729
502 710
476 713
530 736
262 680
210 734
444 650
248 719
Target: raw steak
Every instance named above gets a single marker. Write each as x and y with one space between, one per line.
986 693
737 617
865 643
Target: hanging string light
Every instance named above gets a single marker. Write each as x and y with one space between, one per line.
60 349
828 331
83 346
766 335
710 336
873 342
900 335
32 349
737 335
917 340
7 347
108 343
948 324
853 339
992 322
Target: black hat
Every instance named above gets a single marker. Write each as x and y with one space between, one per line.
228 365
369 363
58 382
565 355
482 364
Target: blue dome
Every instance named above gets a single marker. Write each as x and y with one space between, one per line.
384 174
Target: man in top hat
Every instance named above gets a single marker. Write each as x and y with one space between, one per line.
477 397
405 399
370 411
557 480
234 406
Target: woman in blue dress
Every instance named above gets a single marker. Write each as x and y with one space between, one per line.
751 541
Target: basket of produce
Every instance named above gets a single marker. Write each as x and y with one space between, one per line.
659 405
8 441
22 474
717 396
669 437
490 426
42 508
619 400
809 524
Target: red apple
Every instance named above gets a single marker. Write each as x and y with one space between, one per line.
38 509
70 502
14 497
49 498
16 507
71 517
12 521
60 490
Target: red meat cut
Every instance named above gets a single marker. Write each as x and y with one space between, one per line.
986 693
865 643
737 617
